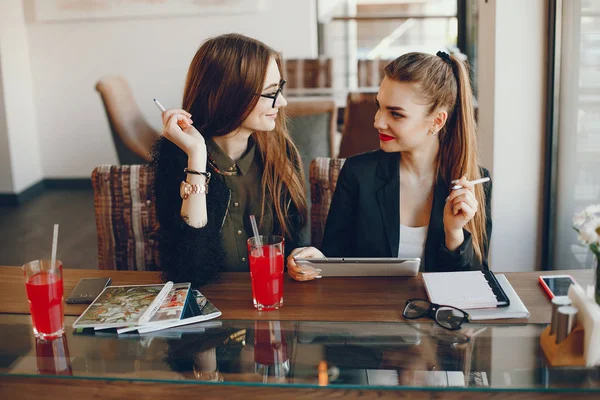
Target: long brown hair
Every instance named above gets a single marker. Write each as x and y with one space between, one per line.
445 84
221 90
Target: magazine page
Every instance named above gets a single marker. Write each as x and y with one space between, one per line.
201 310
172 308
118 306
205 306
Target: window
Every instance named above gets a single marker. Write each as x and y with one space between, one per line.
353 32
577 159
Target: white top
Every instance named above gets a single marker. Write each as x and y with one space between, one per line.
412 241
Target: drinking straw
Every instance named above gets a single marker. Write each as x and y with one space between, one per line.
54 244
257 240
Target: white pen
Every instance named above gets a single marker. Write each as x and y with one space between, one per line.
160 106
475 182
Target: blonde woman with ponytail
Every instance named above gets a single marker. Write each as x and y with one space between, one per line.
398 201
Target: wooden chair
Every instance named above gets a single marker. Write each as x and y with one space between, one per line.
324 173
132 135
125 218
359 135
370 72
308 73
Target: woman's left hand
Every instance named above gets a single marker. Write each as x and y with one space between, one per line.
460 208
303 273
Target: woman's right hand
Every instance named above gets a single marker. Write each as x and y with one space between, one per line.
178 128
303 273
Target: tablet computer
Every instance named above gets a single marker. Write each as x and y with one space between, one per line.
363 266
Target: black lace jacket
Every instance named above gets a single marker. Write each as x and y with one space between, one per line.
196 255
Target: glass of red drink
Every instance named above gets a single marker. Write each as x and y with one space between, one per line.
266 272
44 286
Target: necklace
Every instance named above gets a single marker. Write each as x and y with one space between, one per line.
233 171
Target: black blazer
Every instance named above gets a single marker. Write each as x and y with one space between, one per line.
364 217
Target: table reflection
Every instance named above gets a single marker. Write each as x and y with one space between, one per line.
52 356
270 350
420 355
205 366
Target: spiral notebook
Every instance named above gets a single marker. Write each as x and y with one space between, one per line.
516 309
465 289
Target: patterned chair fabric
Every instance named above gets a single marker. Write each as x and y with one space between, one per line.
125 218
324 173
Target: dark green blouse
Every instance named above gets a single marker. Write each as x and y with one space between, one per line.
243 178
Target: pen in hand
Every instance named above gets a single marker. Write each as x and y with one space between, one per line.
475 182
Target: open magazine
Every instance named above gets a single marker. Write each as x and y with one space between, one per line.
146 308
197 309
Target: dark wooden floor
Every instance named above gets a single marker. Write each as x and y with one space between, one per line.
26 230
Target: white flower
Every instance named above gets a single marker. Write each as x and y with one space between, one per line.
593 210
588 233
579 220
589 214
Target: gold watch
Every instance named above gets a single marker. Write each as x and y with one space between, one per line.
185 189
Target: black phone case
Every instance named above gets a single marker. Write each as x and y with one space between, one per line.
87 290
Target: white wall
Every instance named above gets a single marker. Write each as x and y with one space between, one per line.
6 182
20 163
152 54
512 90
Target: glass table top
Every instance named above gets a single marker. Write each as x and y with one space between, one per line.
299 353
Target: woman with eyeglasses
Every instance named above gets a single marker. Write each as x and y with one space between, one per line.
415 196
226 155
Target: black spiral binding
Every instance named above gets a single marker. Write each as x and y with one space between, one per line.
503 300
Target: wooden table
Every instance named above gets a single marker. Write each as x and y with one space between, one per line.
328 299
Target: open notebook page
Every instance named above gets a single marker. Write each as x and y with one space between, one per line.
462 289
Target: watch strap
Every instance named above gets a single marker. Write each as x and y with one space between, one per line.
186 189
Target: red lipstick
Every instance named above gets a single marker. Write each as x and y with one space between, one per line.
385 138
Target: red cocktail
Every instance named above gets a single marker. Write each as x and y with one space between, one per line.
266 272
44 286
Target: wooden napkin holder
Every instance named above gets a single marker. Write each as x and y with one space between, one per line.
567 353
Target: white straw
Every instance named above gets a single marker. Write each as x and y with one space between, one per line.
257 240
54 244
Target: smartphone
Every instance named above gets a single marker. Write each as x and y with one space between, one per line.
556 285
87 290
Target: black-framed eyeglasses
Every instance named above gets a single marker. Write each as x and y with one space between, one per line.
276 94
447 317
